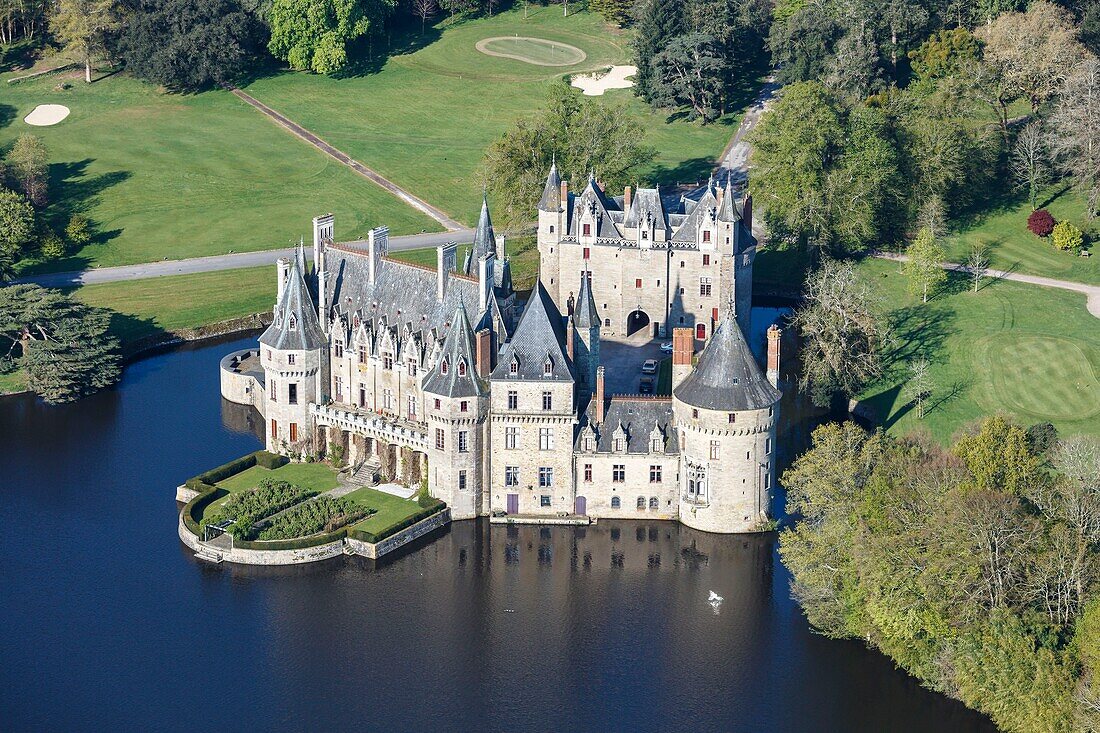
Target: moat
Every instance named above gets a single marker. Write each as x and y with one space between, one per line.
110 623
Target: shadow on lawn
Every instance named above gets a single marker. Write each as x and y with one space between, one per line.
7 115
368 55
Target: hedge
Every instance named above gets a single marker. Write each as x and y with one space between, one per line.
203 484
300 543
376 537
192 512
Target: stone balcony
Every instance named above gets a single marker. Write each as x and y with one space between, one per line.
381 427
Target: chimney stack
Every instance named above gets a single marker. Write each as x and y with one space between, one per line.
627 198
774 336
484 353
746 212
445 264
565 196
323 227
377 245
683 347
502 253
569 338
599 395
720 195
282 267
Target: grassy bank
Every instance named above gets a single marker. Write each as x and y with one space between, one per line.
1028 351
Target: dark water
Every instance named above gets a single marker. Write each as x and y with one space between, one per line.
110 624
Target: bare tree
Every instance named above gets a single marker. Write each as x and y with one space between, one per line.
1077 129
1031 160
978 264
424 9
919 386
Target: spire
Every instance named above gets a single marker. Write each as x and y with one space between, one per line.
455 372
728 212
727 377
551 193
295 326
485 241
585 314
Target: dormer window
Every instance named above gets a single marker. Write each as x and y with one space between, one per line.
444 367
706 235
587 230
292 324
513 368
548 368
462 367
645 234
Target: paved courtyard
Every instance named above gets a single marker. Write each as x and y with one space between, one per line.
622 357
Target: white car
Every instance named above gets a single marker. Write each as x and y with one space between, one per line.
667 347
649 366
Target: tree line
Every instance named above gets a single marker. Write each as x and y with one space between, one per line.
974 567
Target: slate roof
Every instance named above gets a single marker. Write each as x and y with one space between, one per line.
551 192
592 198
705 207
540 334
637 417
295 326
585 314
727 376
485 242
728 210
460 355
647 201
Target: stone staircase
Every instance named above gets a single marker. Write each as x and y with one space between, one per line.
209 555
365 474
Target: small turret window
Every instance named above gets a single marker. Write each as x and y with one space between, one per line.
462 368
548 368
444 367
292 323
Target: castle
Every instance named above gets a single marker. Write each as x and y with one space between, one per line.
441 376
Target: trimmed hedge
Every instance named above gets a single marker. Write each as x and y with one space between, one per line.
270 461
192 512
376 537
204 483
300 543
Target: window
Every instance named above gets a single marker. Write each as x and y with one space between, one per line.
767 446
587 252
706 258
462 367
387 361
444 367
292 394
733 417
548 368
513 368
714 450
681 293
513 400
588 473
362 354
339 388
617 445
645 234
294 432
362 396
338 349
293 322
704 286
546 480
551 228
274 430
290 358
638 282
412 406
437 403
694 412
412 368
654 474
511 475
463 406
544 500
387 399
546 439
462 480
463 441
641 502
701 331
607 322
587 230
706 238
547 400
656 445
511 438
439 440
274 391
616 502
618 473
653 503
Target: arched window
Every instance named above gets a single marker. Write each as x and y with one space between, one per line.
513 368
654 503
293 323
444 367
616 502
548 368
607 322
462 368
641 502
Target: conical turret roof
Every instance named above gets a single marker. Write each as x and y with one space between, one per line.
728 210
485 241
585 314
727 377
551 193
537 342
455 373
295 326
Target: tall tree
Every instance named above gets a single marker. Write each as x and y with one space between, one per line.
923 266
657 23
16 229
314 35
802 45
28 164
690 72
1031 160
84 27
618 12
1076 125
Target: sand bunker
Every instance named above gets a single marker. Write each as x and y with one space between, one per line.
537 51
45 115
593 85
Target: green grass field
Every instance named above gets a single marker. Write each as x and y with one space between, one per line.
390 508
1028 351
426 117
173 176
314 476
1013 248
538 51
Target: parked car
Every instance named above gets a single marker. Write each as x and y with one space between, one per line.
649 366
645 386
667 347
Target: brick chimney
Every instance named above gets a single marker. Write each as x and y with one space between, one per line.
565 195
484 353
599 395
774 335
683 347
282 267
720 194
627 198
569 338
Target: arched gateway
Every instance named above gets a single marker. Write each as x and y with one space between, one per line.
636 321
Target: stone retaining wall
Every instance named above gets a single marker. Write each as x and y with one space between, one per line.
261 557
402 538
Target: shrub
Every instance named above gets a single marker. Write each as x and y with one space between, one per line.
53 247
224 471
1067 237
325 514
1040 223
247 508
270 461
78 231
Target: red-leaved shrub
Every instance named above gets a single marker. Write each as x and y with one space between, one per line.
1040 223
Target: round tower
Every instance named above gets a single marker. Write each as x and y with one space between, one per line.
553 224
726 413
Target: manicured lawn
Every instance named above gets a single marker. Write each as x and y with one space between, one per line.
315 476
1013 248
390 508
172 176
1028 351
426 118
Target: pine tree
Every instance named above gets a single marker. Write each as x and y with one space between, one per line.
659 21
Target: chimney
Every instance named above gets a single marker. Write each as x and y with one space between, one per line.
501 252
323 227
282 267
484 353
565 195
485 278
721 195
569 338
599 395
378 242
627 198
746 212
445 263
683 347
774 335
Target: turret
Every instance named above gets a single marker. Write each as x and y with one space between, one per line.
586 337
553 225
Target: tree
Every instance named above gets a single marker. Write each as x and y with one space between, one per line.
78 231
63 344
657 23
1066 237
614 11
977 264
999 457
583 135
314 34
945 53
802 45
855 68
190 44
28 164
84 27
1040 223
1033 51
689 72
1076 125
458 7
923 268
16 229
842 333
424 9
1030 160
919 385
